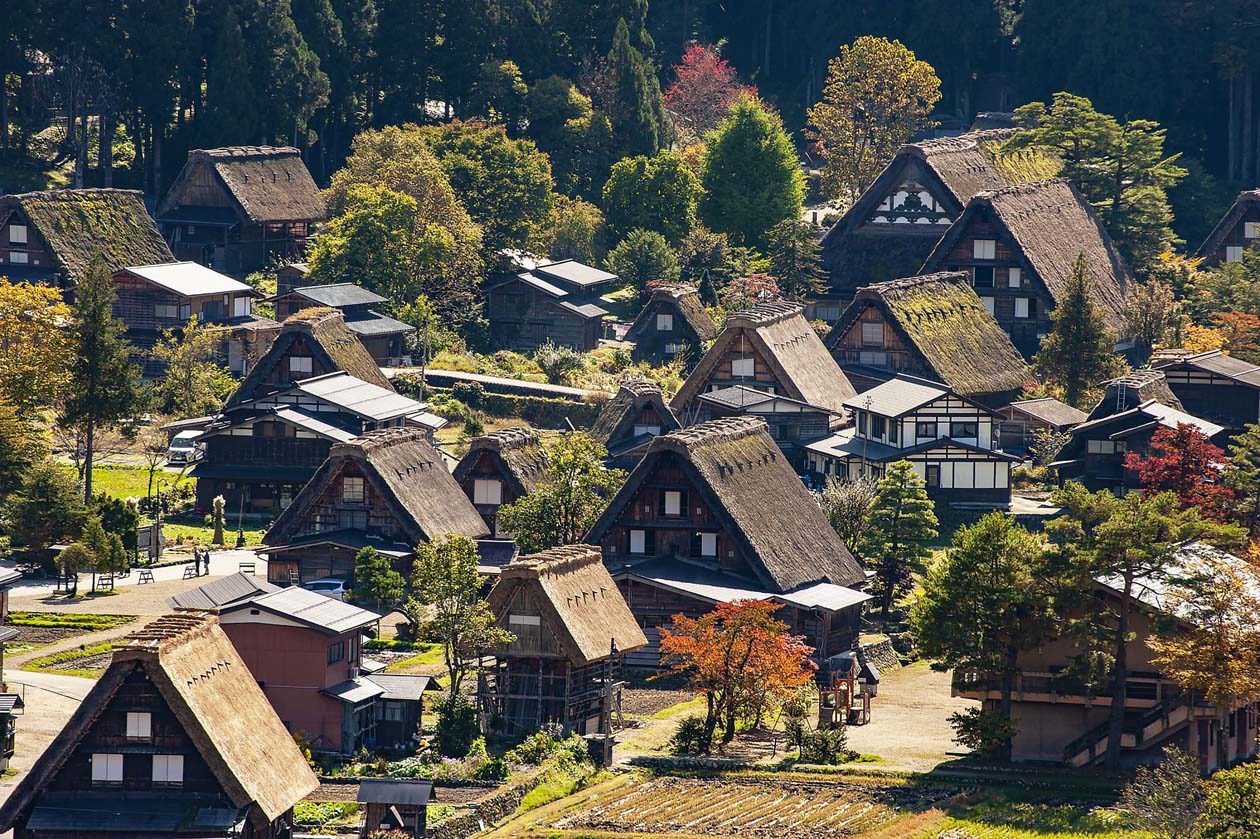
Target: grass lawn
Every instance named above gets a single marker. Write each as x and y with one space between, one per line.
1001 818
64 620
623 304
129 481
54 663
191 528
430 657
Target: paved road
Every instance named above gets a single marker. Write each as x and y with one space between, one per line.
50 701
221 563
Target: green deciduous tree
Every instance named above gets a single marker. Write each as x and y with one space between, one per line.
1152 315
654 193
21 447
34 345
500 95
375 580
1079 351
572 495
448 607
194 384
1243 474
46 510
848 508
985 601
792 247
1230 811
901 520
104 387
1119 166
643 257
752 179
578 232
576 136
877 95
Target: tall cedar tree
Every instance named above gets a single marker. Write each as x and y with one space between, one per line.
1214 649
986 601
1243 474
291 86
574 491
231 112
739 657
654 193
1120 168
448 606
901 520
1130 542
878 94
705 86
1184 462
752 180
635 108
46 510
104 387
1079 351
794 259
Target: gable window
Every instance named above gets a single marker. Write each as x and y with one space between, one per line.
1014 278
18 257
107 769
638 541
1233 253
988 303
984 249
673 503
872 333
650 430
674 348
352 490
962 429
708 544
1251 230
932 476
664 323
168 770
336 652
742 368
982 277
487 492
1023 307
165 310
17 234
301 364
925 429
139 725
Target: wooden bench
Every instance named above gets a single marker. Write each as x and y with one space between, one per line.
190 572
146 576
246 568
105 582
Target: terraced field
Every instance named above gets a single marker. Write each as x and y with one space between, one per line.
696 807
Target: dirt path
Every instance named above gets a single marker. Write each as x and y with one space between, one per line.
909 725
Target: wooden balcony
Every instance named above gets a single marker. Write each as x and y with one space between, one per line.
1142 692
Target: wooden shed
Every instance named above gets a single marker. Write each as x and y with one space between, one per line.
673 324
395 804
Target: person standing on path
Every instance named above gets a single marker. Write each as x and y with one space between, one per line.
196 561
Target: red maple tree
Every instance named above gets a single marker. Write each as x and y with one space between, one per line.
1183 461
740 657
704 87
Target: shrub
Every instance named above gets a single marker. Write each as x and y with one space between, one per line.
557 363
456 727
984 732
690 737
475 423
826 745
471 394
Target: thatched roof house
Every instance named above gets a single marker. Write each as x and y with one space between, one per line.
499 468
1132 389
54 236
629 420
934 327
673 322
319 338
1237 231
769 346
386 489
223 756
896 222
1020 245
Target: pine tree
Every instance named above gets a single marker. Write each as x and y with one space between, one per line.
635 109
901 520
104 385
794 259
1079 351
291 86
230 117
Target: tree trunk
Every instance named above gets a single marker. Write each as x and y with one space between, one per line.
765 60
1231 131
4 110
1119 681
1248 127
140 164
1008 688
710 725
87 460
105 151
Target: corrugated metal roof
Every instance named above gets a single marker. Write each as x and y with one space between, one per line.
314 425
586 310
368 400
354 691
717 587
378 324
390 791
188 279
1051 411
222 592
337 295
314 609
897 397
10 701
827 596
574 273
402 687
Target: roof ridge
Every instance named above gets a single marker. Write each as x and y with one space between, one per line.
962 142
164 634
915 281
505 439
1028 188
561 559
246 152
68 192
370 442
766 313
713 432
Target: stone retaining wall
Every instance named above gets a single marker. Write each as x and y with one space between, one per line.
882 655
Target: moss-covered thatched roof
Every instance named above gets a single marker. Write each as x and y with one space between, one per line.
683 301
940 318
518 449
266 183
1247 200
82 225
616 419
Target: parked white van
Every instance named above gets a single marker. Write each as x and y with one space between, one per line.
183 448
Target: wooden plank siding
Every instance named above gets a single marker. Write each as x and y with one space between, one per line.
1213 396
1235 237
523 319
34 253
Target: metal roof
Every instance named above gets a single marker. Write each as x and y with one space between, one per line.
9 702
9 576
1051 411
1161 413
1217 362
400 687
737 396
586 310
897 396
717 587
337 295
356 539
377 324
313 425
314 610
354 691
847 444
223 592
574 273
360 397
88 813
188 279
391 791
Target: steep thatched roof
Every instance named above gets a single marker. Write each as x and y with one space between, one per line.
332 344
81 225
779 332
218 703
940 317
579 600
1133 389
518 449
1051 224
266 183
620 411
409 473
1247 200
682 300
953 169
757 497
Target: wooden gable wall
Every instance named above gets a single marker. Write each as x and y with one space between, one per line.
1236 237
917 202
331 511
202 188
889 353
653 343
741 347
38 254
523 318
531 640
1213 396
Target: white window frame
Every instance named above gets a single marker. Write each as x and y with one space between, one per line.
165 310
18 234
638 542
1251 229
664 322
242 306
19 257
301 364
869 338
1014 278
987 300
708 544
168 770
1233 253
107 768
487 491
139 725
673 502
984 248
1021 307
743 368
356 495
